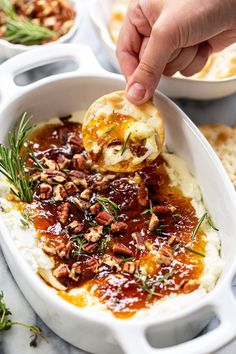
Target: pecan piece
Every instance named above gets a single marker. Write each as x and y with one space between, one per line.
143 195
81 204
95 209
104 218
63 212
49 249
71 188
45 191
61 271
77 177
76 141
139 240
53 177
94 233
91 267
118 227
62 162
51 164
76 226
65 250
153 223
59 193
129 267
189 285
137 149
165 255
164 209
96 152
86 194
121 249
90 247
112 262
75 271
172 240
79 162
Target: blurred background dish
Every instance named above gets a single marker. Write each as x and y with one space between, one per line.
25 25
217 79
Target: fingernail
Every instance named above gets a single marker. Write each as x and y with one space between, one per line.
136 91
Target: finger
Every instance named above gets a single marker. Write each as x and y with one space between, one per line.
199 61
144 80
182 61
128 48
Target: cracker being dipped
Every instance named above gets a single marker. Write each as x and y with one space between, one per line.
120 136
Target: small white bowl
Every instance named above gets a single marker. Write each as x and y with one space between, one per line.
100 12
8 49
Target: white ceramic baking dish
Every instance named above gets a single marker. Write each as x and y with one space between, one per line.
8 49
93 332
100 13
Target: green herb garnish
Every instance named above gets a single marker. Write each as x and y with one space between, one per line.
194 251
197 227
6 323
106 202
149 210
125 144
103 244
160 229
111 129
79 244
7 7
166 276
39 167
176 246
126 259
24 223
12 161
176 216
210 222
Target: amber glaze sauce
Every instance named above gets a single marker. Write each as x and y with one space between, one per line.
122 293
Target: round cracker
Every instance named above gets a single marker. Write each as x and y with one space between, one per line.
111 119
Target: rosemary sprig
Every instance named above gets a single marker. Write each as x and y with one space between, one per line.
6 323
7 7
111 129
194 251
197 227
12 160
39 167
210 222
79 244
103 244
125 144
26 32
106 202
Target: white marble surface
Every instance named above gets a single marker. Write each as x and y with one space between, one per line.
16 341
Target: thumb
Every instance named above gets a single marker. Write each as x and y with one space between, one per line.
143 82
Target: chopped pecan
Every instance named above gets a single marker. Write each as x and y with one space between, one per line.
91 267
53 177
112 262
64 250
36 177
164 209
153 223
71 188
86 194
90 247
129 267
63 162
45 191
77 177
76 141
139 240
59 193
75 271
61 271
63 212
121 249
137 149
189 285
94 233
143 195
104 218
96 208
172 240
165 255
49 249
76 226
79 162
118 227
51 164
81 204
96 152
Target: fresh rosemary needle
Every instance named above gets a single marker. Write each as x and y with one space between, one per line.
197 227
12 161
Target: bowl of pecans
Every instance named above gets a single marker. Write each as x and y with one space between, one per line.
28 24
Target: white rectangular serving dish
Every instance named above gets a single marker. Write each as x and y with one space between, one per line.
176 87
62 94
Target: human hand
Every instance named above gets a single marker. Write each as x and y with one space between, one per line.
165 36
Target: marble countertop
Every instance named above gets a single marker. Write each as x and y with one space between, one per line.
17 339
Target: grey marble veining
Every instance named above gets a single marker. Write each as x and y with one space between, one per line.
16 341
